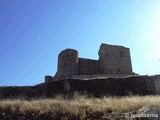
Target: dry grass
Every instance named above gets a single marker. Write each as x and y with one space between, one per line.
80 107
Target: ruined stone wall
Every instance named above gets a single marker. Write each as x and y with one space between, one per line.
157 83
48 78
68 61
87 66
99 76
114 59
67 64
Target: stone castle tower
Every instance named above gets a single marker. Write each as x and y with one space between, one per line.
114 61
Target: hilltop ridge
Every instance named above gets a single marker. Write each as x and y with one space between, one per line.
134 85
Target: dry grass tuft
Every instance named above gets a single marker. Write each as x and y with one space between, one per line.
80 107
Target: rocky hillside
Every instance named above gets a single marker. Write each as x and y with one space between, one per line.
135 85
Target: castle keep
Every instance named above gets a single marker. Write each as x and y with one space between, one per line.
113 61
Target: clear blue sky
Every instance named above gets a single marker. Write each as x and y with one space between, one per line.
33 32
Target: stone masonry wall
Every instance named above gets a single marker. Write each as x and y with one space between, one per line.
67 64
114 59
87 66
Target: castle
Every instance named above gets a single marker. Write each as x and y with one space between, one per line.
114 61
